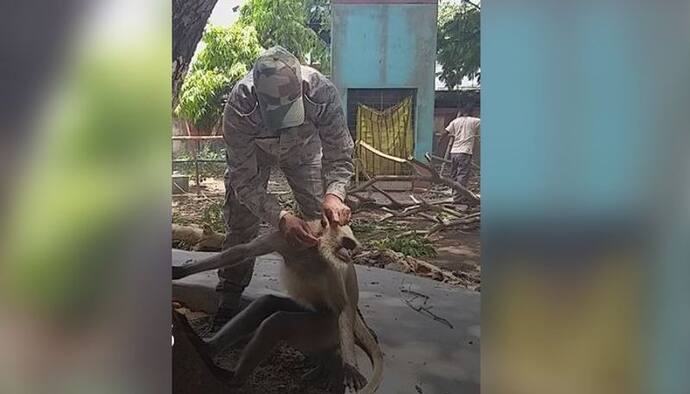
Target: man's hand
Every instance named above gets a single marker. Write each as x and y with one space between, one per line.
335 211
296 231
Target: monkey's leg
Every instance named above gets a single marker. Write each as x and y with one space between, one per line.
308 331
328 368
238 254
248 320
182 327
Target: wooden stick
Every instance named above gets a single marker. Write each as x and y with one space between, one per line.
379 153
455 223
430 217
432 179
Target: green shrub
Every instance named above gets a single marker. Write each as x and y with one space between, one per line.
409 244
226 56
212 217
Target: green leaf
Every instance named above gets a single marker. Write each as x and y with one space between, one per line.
227 55
458 42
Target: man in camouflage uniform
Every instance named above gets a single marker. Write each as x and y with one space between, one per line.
287 115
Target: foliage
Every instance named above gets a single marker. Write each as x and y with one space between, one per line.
212 217
291 24
319 20
410 245
226 46
458 42
303 27
200 99
367 228
227 55
207 151
361 227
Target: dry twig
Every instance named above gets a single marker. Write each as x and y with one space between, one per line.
426 311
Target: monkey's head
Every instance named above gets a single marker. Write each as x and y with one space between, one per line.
339 241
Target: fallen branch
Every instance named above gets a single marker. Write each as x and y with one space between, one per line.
424 173
394 202
364 203
398 178
409 211
438 178
426 311
441 209
432 270
431 217
433 177
452 224
381 258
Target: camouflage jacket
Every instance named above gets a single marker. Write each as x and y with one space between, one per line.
324 135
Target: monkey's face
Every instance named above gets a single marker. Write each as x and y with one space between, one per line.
341 241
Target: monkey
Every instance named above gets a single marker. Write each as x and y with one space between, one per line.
320 317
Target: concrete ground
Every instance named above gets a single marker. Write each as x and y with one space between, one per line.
431 350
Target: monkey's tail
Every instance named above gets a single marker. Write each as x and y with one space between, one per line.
365 339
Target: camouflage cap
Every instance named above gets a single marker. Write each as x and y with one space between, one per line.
278 84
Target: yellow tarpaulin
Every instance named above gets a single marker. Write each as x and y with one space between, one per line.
389 131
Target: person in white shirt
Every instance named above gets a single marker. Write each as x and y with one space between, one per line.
465 130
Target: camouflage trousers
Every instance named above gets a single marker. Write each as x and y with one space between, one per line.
241 226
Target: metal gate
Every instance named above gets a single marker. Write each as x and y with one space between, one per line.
384 120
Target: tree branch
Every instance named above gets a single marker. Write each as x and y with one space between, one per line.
433 177
476 6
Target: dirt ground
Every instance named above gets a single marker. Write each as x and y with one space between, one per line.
280 373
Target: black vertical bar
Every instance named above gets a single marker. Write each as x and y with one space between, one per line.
402 136
374 131
408 124
396 126
390 129
196 166
384 131
384 136
365 121
377 137
360 134
402 127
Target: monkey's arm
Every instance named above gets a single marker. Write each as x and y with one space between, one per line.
269 243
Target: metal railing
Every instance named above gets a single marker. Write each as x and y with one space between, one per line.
195 159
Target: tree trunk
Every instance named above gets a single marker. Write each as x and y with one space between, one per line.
189 20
